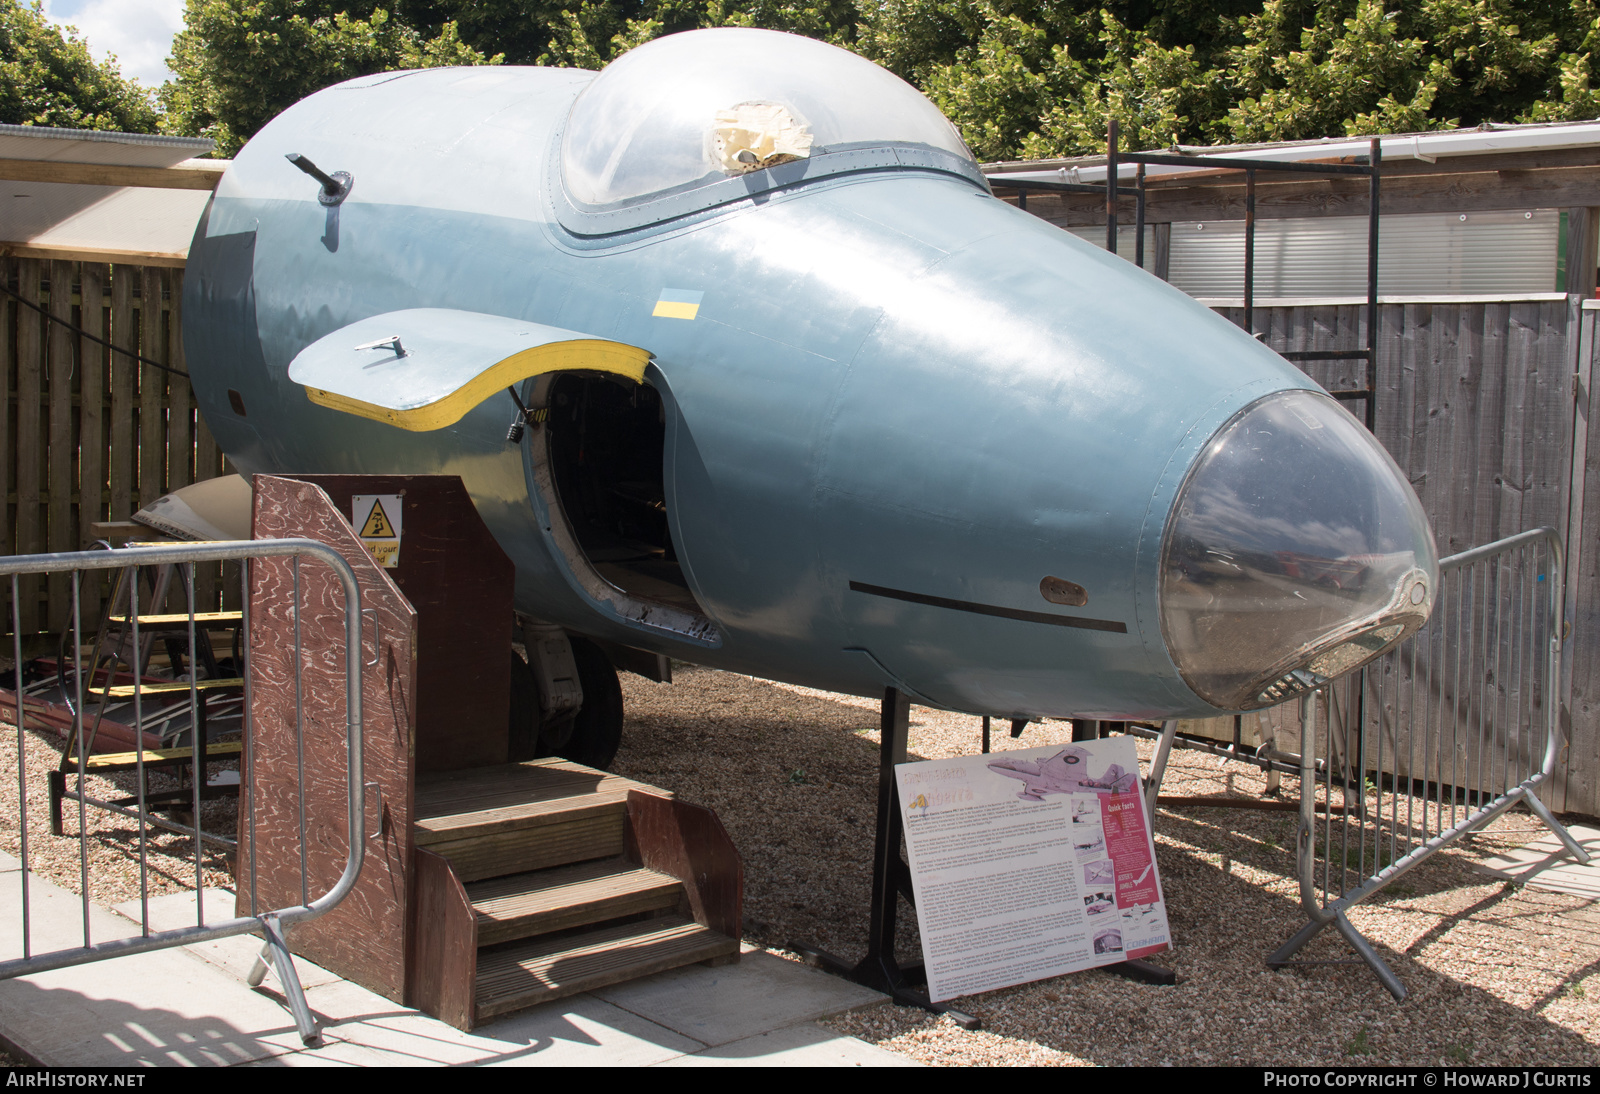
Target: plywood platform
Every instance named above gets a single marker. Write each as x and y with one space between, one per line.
453 803
542 879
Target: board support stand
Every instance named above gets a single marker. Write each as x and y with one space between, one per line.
880 969
1143 972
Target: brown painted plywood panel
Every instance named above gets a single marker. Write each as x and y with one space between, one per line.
460 582
444 943
688 842
365 938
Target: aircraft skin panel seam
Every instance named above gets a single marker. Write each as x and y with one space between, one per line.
587 355
1081 622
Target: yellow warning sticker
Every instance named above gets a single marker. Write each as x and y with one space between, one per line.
377 519
377 525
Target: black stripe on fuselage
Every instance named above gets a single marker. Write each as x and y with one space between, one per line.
990 609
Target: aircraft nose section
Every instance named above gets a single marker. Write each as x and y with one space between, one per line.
1296 551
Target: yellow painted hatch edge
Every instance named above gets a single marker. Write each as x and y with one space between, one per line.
578 355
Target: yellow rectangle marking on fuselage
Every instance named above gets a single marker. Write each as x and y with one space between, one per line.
673 309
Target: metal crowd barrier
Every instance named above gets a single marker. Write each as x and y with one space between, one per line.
271 924
1434 739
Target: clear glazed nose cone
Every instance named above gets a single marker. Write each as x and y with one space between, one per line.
1296 552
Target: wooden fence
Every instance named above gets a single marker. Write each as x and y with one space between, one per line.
1582 653
90 434
1475 401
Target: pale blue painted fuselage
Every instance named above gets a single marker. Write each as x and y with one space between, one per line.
893 379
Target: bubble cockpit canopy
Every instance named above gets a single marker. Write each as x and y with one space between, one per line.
691 111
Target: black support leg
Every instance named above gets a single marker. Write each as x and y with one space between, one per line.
891 879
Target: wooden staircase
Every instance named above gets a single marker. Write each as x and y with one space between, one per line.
543 879
487 885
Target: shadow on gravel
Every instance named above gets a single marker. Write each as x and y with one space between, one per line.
793 778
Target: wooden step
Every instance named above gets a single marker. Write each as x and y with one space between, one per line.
157 757
518 817
571 834
165 687
527 973
454 802
545 901
202 620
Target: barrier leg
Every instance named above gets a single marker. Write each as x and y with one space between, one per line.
1280 957
1385 974
1542 811
277 950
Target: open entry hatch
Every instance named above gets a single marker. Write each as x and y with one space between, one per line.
605 451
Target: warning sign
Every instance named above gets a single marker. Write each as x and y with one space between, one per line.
377 520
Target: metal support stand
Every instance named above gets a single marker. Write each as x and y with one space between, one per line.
1319 916
880 969
1143 972
1281 957
891 879
276 952
1158 769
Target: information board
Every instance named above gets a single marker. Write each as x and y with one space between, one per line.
1030 864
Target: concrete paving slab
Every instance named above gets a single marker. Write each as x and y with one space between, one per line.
584 1031
55 918
164 1008
157 1008
235 956
577 1031
806 1045
337 1054
716 1006
189 1006
1545 864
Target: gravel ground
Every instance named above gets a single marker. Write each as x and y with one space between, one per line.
1497 974
113 855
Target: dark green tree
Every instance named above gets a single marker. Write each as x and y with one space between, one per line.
49 78
1032 78
592 32
239 63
